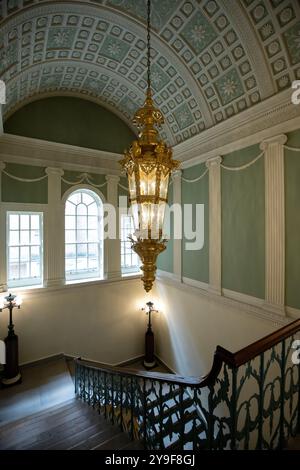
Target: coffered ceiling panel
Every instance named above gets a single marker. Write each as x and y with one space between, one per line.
211 59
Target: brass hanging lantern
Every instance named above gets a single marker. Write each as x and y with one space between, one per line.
148 165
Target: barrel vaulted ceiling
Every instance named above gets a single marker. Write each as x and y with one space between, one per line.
211 59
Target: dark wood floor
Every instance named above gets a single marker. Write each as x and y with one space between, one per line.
71 425
43 413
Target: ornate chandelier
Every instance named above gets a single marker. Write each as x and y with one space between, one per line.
148 165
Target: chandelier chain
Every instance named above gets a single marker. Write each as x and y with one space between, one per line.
148 44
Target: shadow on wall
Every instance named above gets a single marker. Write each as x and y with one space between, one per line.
72 121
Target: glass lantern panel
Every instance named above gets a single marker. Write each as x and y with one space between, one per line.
132 186
161 214
147 181
164 181
135 214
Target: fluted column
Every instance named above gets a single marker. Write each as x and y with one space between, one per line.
54 231
274 223
1 120
177 244
113 246
3 269
213 165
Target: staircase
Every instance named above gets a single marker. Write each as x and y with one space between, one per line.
72 425
249 400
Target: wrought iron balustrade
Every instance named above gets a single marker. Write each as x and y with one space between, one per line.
249 400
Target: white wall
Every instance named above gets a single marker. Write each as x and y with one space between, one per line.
98 321
190 325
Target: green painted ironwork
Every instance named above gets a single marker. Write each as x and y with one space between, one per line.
249 405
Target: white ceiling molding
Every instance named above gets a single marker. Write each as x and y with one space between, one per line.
28 151
274 116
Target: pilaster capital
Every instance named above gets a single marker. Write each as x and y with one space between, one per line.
112 178
277 139
176 175
54 171
215 161
2 166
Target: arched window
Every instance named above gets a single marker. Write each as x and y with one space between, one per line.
83 235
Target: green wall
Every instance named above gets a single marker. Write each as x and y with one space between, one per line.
71 121
18 191
165 259
195 264
292 214
243 224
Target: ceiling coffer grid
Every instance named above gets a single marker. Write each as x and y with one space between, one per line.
202 71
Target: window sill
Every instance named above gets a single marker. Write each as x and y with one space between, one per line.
69 285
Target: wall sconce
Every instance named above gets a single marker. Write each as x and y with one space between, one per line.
149 360
12 373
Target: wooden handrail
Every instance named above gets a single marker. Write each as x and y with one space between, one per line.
221 356
258 347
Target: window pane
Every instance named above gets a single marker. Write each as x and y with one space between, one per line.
71 251
81 209
81 264
24 269
70 208
75 198
70 236
13 222
81 222
93 236
87 199
93 222
35 237
70 222
24 222
81 236
82 250
71 264
93 209
24 235
24 255
35 253
35 222
35 269
14 254
14 238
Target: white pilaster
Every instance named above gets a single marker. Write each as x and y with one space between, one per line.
54 231
3 276
274 223
1 120
113 247
213 165
177 244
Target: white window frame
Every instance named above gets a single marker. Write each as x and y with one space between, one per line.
133 268
25 282
87 276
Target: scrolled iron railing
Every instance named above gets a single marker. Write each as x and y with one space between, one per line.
249 399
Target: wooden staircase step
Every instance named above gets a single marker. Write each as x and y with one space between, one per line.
60 433
13 425
115 442
35 427
98 438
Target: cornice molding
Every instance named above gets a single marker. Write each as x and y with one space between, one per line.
276 115
29 151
